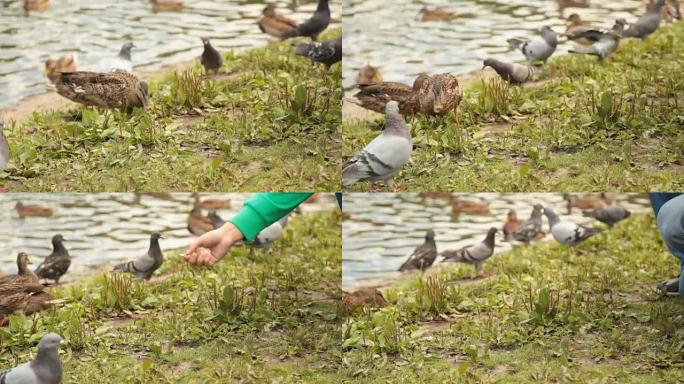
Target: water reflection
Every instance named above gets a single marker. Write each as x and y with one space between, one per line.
96 29
384 228
103 228
389 35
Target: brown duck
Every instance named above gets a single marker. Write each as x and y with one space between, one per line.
57 263
469 207
24 274
274 24
210 203
24 302
198 224
368 74
32 210
36 5
437 14
365 296
166 5
512 223
586 202
375 96
119 90
575 29
54 67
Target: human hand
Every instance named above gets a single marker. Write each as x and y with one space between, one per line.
211 247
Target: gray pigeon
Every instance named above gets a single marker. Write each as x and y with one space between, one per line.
646 24
475 255
144 266
121 63
385 155
57 263
216 220
4 148
315 25
512 72
606 42
270 234
567 232
538 48
609 215
46 368
530 228
327 52
423 256
211 58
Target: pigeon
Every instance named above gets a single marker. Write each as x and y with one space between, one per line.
215 219
475 255
423 256
385 155
566 232
512 223
270 234
4 148
327 52
144 266
512 72
57 263
607 41
198 225
24 274
529 229
538 48
211 58
315 25
609 215
120 90
646 24
121 63
273 24
46 368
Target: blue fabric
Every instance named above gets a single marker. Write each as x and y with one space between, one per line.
669 210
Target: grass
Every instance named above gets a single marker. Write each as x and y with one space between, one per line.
586 125
269 121
268 318
543 315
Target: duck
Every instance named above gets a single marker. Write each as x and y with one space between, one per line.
198 224
24 274
375 96
669 12
575 28
573 3
368 74
439 94
107 90
36 5
54 67
469 207
166 5
512 223
210 203
57 263
32 210
23 302
587 202
274 24
371 297
438 14
435 196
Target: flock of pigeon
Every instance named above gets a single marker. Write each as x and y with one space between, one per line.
439 94
563 231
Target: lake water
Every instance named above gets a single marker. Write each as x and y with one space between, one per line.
103 228
389 35
96 29
384 228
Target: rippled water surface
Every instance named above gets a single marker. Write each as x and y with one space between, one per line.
102 228
96 29
383 229
389 35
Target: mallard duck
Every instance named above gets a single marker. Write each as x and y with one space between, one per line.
210 203
573 3
24 274
512 223
375 96
120 90
674 9
36 5
586 202
368 74
469 207
435 196
669 12
166 5
198 225
24 302
57 263
439 94
32 210
575 29
364 296
54 67
273 24
438 14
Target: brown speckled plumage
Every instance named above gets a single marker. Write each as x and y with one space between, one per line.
275 25
120 90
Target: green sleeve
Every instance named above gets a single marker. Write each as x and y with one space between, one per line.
264 209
